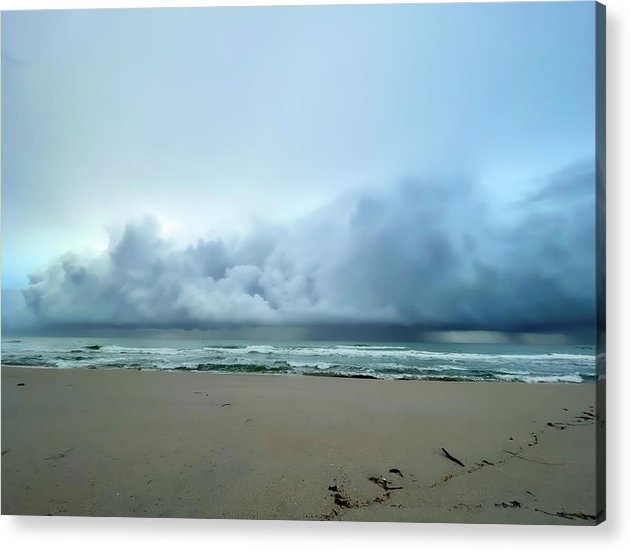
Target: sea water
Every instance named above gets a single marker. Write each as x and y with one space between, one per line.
431 361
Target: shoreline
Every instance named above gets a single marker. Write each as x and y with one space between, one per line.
118 442
306 374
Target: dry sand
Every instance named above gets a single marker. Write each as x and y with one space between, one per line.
164 444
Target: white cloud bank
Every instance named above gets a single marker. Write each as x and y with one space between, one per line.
436 254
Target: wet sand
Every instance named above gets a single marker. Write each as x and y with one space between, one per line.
166 444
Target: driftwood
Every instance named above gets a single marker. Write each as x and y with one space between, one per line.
59 455
449 456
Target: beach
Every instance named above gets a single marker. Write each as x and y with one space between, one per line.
98 442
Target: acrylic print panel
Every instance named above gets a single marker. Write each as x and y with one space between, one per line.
316 263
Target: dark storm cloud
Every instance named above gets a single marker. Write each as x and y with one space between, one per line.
437 254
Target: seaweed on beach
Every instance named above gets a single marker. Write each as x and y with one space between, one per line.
384 483
569 516
509 505
449 456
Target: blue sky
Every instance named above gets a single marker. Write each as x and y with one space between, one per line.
215 122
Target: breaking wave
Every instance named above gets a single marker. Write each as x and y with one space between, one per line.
514 363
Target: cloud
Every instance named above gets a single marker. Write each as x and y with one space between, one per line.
441 254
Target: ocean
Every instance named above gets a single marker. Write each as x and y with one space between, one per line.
427 361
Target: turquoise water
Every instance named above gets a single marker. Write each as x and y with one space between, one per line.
464 362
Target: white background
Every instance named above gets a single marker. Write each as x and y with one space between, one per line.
69 534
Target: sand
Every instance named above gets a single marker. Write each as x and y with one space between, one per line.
166 444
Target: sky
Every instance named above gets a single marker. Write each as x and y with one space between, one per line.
402 165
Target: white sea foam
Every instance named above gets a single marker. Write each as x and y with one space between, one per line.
384 361
573 378
319 365
401 353
367 347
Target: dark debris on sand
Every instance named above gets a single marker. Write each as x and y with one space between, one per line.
384 483
509 505
60 455
452 458
568 516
